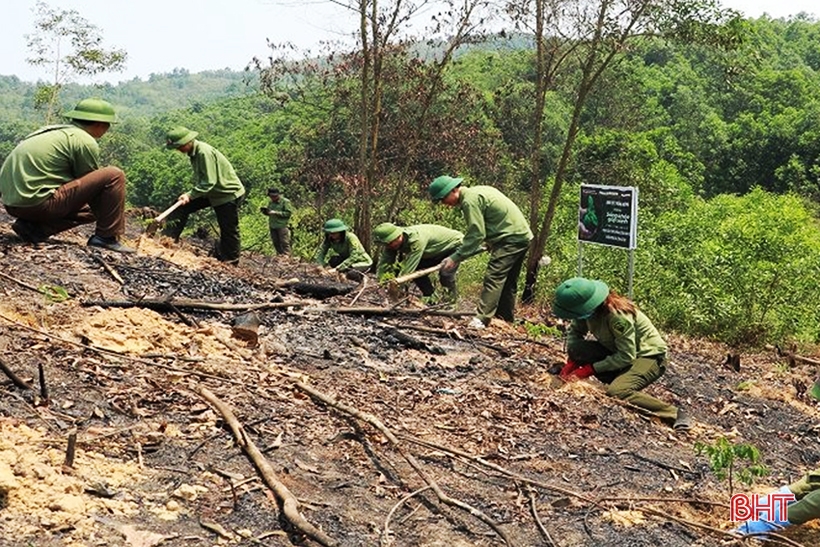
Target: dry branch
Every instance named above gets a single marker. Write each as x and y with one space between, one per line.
289 503
397 311
14 378
108 268
384 537
21 283
186 303
394 441
541 528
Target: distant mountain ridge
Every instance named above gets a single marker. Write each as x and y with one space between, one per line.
137 97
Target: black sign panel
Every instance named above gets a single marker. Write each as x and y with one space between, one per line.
608 215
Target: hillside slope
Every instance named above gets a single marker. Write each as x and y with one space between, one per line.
476 418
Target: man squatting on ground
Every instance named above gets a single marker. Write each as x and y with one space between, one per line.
52 181
341 249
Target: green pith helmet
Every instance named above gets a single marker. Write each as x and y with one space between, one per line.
578 297
334 225
442 186
179 136
93 110
386 232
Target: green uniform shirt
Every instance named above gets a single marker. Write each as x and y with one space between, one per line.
627 337
492 217
420 241
349 248
44 161
214 176
279 213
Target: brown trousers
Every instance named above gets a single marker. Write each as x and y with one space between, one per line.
97 197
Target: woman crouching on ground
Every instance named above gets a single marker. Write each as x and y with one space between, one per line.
628 353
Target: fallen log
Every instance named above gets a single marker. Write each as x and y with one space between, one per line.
186 303
453 333
398 311
289 505
412 342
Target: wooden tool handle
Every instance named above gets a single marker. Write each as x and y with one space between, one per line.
163 215
416 274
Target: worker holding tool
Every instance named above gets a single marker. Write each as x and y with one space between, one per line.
341 249
278 211
216 185
627 354
802 505
415 248
52 181
491 218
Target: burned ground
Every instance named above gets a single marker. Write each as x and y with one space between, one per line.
480 416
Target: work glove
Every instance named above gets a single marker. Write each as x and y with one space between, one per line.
567 369
583 371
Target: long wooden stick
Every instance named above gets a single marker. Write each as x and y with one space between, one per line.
384 537
289 503
409 458
187 303
14 378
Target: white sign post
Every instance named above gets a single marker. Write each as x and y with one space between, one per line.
608 215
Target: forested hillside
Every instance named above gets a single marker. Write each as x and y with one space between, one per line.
720 137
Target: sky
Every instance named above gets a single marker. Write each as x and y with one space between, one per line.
161 35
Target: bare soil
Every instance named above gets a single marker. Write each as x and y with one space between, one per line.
487 424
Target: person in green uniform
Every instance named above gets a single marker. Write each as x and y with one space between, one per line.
627 353
493 219
802 505
279 211
341 249
216 185
416 248
52 180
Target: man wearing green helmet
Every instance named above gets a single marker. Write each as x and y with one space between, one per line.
492 218
628 352
216 185
52 181
418 247
341 249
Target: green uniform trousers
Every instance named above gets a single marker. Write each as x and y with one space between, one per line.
807 493
501 281
626 384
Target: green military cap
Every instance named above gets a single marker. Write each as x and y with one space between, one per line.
93 110
578 297
442 186
334 225
386 232
179 136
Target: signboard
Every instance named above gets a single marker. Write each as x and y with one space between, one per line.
608 215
